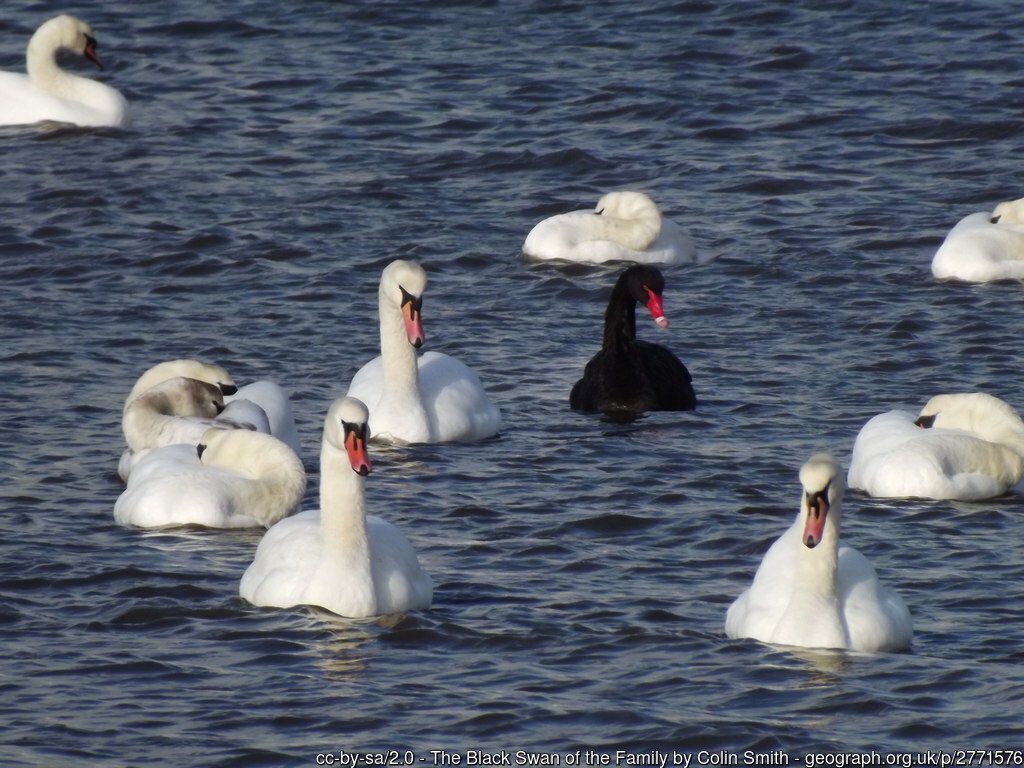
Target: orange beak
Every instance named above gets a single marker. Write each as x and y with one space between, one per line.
355 446
814 527
413 323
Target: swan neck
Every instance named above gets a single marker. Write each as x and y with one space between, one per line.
42 67
401 374
620 319
342 507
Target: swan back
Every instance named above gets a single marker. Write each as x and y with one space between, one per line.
192 369
277 479
983 247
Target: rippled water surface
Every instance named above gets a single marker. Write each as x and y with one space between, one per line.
283 153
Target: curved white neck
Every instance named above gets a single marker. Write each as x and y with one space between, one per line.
43 70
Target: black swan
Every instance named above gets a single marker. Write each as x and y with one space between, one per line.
627 374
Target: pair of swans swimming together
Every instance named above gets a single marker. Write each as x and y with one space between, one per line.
810 589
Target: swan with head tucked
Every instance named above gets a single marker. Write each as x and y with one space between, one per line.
432 398
965 446
625 226
338 557
48 92
629 375
232 479
813 591
984 246
262 406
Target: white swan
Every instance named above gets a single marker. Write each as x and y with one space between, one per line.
984 247
233 479
50 93
625 226
262 405
430 399
812 591
338 557
961 446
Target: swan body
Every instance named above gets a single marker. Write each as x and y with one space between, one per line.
625 226
629 375
433 398
233 479
966 446
48 92
983 247
813 591
338 557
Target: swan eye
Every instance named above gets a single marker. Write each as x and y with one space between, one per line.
599 212
408 298
926 422
994 219
199 450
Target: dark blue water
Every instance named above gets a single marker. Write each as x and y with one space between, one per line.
282 154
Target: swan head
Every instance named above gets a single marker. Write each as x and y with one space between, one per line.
347 429
402 283
988 417
822 482
192 369
1010 212
67 32
646 284
182 396
639 211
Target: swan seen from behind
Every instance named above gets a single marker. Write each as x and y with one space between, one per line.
812 590
338 557
232 479
431 398
48 92
627 374
964 446
983 247
625 226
